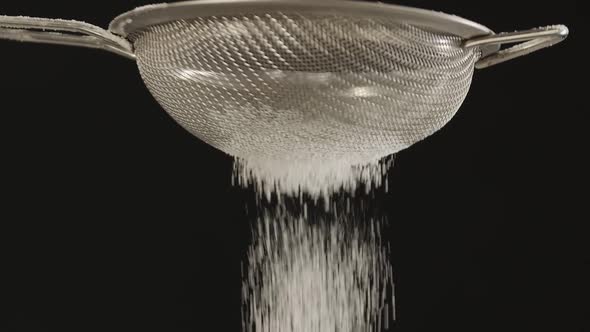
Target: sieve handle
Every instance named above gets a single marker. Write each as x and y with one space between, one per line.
62 32
530 41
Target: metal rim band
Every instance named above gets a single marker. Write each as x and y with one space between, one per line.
142 17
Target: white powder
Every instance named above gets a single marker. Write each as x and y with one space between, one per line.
316 177
310 270
317 276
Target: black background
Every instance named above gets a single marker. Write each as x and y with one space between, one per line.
116 219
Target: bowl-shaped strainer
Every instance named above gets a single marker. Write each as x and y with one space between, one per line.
306 78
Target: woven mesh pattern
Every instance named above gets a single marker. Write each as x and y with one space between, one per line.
285 85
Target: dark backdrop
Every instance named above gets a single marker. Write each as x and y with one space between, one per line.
116 219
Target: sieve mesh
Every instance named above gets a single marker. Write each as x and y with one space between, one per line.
286 86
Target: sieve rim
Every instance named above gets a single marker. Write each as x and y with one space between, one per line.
141 17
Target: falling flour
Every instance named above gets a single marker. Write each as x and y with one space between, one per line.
310 269
316 177
317 276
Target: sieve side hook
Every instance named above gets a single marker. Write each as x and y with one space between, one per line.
530 41
63 32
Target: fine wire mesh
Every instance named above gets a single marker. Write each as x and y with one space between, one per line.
287 86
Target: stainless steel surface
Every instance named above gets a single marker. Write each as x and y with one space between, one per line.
63 32
293 86
289 79
438 22
534 40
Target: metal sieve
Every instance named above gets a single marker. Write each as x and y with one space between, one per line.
306 78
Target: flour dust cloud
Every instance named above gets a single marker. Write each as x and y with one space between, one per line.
318 177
